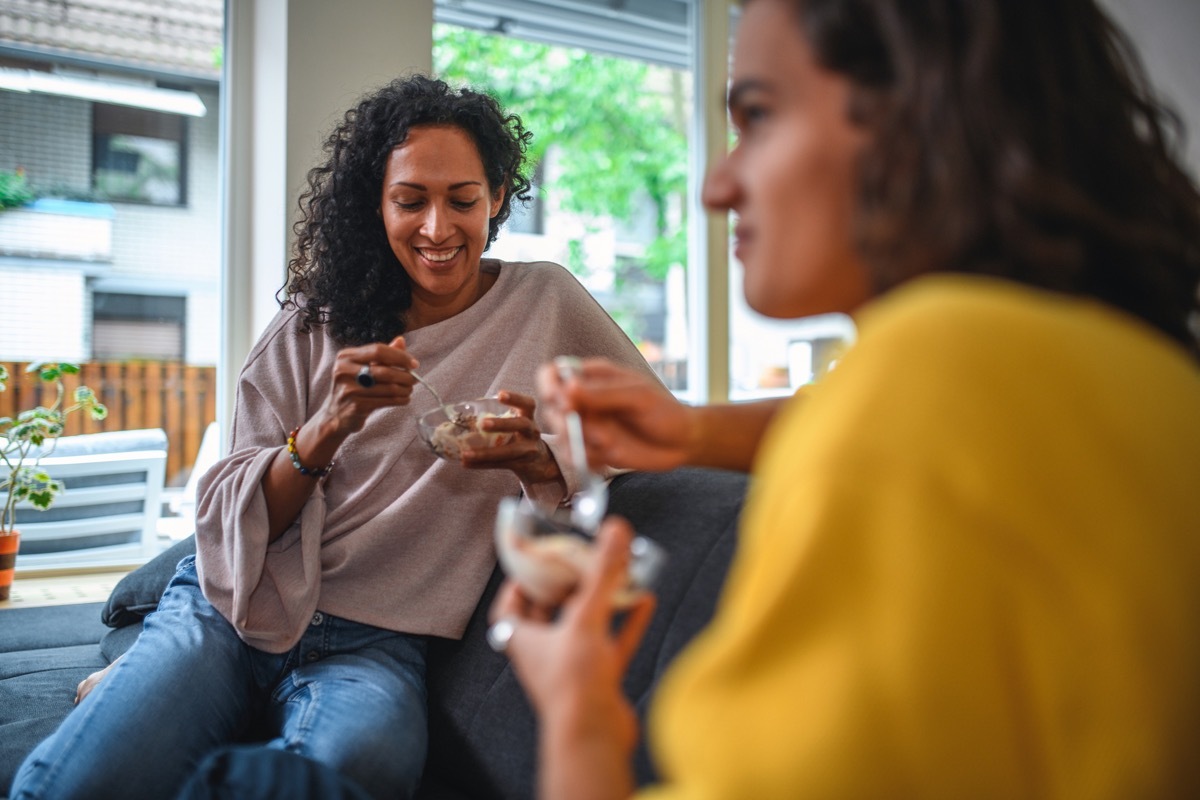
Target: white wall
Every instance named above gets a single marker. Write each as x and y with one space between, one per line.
1167 36
293 67
29 294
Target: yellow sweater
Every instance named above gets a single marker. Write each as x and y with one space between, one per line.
969 568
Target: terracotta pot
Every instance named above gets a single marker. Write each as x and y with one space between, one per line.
9 542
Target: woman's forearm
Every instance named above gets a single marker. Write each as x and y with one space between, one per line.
582 760
285 488
727 436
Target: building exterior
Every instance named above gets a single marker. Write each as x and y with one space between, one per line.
110 111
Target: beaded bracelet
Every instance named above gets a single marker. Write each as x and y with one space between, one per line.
317 472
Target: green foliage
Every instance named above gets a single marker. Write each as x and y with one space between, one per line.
21 441
617 125
64 191
14 190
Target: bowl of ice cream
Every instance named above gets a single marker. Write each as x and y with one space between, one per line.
451 429
547 557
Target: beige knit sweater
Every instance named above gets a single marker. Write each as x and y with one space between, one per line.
394 537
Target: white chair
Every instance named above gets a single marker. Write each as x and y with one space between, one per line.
180 523
108 514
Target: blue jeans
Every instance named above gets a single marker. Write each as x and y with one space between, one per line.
348 695
263 773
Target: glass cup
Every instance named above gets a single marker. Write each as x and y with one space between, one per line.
546 556
451 429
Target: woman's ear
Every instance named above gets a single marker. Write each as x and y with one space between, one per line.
497 201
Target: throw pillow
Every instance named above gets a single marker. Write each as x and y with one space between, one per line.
137 594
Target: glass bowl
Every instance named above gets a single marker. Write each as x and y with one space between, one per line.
451 429
546 556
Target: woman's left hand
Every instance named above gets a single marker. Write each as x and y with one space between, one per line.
526 454
571 662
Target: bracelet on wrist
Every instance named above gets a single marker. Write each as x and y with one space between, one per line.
312 472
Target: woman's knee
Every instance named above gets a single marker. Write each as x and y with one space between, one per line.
371 728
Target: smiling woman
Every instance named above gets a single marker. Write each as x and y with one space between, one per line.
385 163
437 209
330 542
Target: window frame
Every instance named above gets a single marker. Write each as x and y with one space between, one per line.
145 124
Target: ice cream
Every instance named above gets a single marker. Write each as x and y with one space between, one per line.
450 438
549 566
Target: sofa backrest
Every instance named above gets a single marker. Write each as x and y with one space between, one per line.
108 513
482 732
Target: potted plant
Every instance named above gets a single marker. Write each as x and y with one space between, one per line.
21 451
14 191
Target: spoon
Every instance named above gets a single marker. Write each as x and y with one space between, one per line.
451 414
591 501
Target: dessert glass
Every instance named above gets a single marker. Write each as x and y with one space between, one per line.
449 430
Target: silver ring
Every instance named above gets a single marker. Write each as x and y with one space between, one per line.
365 378
500 634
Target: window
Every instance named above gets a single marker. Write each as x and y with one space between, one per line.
127 326
530 218
138 155
117 105
770 357
607 95
626 104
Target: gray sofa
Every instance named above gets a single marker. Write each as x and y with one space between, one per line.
482 734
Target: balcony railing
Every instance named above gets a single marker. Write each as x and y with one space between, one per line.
64 230
178 398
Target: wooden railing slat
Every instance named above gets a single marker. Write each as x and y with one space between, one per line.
144 394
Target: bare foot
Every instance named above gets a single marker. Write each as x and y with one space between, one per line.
91 682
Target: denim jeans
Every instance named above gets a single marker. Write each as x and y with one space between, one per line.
263 773
348 695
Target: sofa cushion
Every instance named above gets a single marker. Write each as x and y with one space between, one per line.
117 640
44 653
44 627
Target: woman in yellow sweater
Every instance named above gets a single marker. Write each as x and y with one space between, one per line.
970 562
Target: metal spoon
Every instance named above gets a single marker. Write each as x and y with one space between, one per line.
591 501
451 414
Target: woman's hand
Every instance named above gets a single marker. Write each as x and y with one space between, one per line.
386 367
571 669
629 419
345 411
526 454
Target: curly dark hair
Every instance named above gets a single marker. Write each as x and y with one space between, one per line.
1017 139
344 269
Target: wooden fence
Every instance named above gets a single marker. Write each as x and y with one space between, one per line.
180 399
